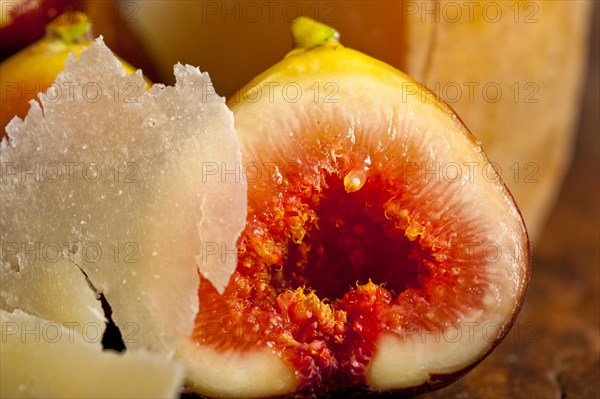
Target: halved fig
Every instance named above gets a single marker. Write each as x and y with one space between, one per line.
382 251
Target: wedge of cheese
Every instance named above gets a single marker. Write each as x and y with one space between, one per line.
106 183
45 359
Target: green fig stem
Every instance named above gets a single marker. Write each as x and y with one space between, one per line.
310 33
70 27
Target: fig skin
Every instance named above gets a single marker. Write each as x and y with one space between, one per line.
23 22
263 139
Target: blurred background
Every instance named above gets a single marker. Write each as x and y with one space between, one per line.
524 77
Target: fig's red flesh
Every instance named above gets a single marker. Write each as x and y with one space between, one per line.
323 272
